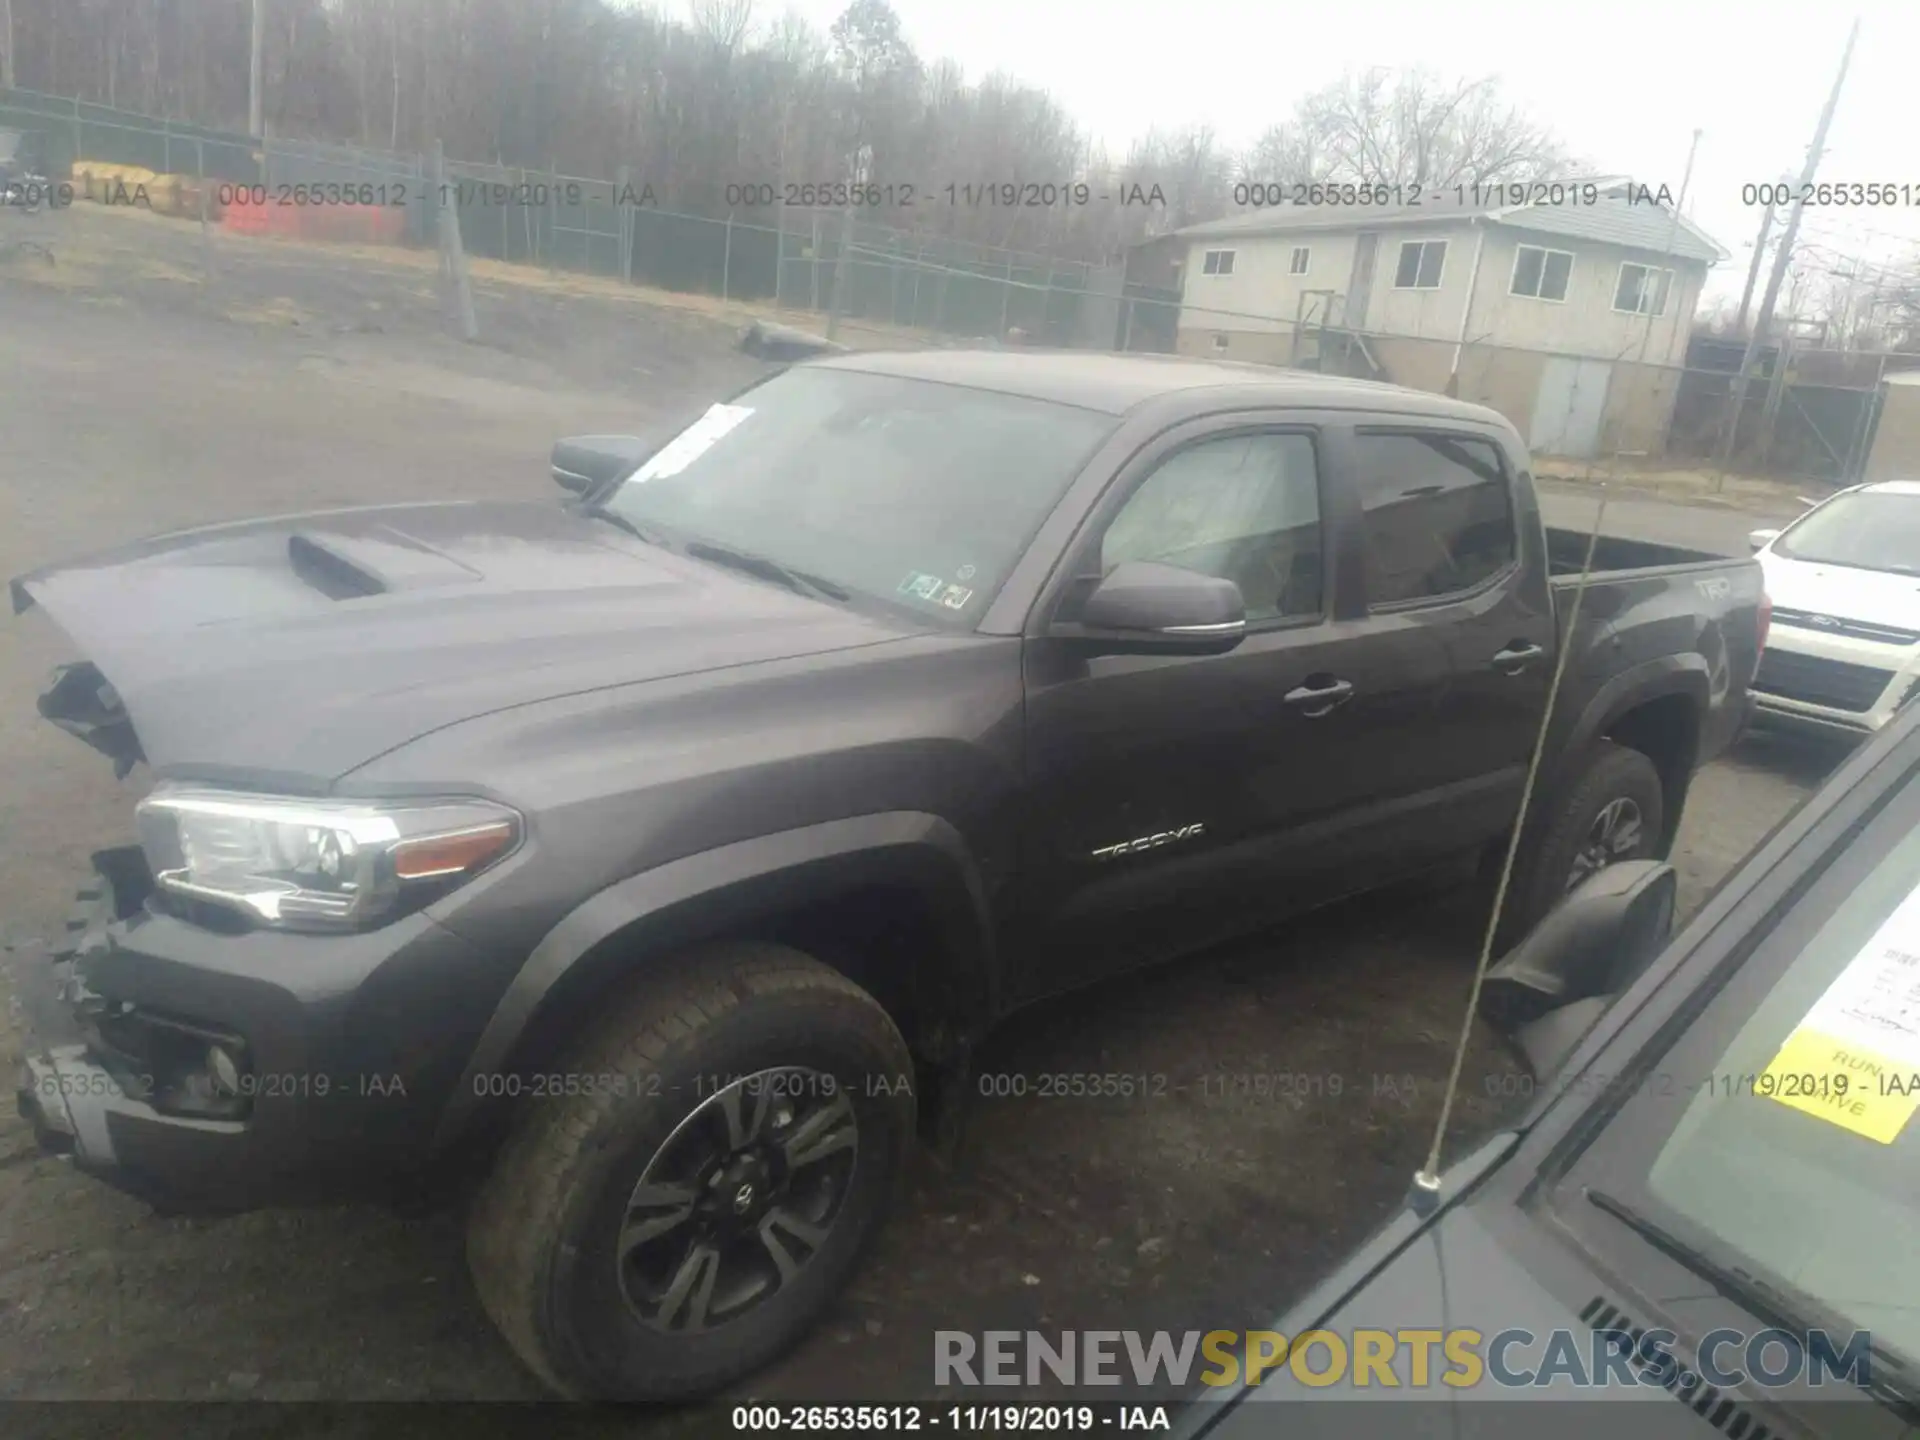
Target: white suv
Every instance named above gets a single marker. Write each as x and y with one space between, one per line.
1844 579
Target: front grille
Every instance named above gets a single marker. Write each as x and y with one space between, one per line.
1821 624
1832 683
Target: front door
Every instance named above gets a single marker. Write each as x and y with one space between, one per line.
1360 286
1178 801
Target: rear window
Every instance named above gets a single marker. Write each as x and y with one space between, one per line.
1438 516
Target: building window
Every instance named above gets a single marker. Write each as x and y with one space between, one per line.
1217 262
1421 262
1642 290
1219 342
1541 274
1298 265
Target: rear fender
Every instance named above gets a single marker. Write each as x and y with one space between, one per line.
1684 675
644 918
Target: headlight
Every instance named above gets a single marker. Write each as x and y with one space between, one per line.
317 864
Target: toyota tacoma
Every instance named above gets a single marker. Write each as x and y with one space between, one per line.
641 866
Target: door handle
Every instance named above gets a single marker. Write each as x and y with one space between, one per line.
1314 701
1517 657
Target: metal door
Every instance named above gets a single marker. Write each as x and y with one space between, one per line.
1570 405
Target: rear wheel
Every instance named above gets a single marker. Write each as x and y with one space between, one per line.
736 1137
1612 809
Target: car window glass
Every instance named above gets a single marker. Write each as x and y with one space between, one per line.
1784 1123
1244 508
906 491
1438 518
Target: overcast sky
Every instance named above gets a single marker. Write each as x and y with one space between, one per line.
1624 84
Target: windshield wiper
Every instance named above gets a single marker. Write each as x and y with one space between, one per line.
1787 1309
797 581
632 527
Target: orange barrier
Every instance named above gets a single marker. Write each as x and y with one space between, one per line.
246 214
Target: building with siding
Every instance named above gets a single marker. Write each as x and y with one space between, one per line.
1569 313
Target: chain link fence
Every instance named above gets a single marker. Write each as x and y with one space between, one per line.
615 228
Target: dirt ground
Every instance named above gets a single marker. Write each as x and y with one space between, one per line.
136 396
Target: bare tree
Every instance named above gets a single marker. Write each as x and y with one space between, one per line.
724 22
1412 129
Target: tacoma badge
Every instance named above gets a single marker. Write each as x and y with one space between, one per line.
1149 842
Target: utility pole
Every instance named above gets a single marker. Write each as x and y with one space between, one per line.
1780 260
6 43
1759 251
253 69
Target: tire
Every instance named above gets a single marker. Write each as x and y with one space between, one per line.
1612 774
542 1236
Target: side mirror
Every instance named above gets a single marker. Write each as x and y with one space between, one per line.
1760 539
583 463
1560 979
1144 608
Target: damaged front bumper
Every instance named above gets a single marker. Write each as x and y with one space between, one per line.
337 1054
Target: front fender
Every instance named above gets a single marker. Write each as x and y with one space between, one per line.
698 896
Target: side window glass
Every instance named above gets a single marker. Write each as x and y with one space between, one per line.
1437 513
1244 508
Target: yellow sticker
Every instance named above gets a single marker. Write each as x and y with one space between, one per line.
1854 1061
1839 1082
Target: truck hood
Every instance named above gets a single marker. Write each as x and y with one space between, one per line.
1875 597
292 650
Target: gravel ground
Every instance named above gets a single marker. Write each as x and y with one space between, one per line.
135 397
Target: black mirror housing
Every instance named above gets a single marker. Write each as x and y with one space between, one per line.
1142 607
1594 944
583 463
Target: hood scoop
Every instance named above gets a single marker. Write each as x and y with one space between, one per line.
377 561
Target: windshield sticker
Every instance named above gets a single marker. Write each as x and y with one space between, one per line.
693 442
1854 1061
922 586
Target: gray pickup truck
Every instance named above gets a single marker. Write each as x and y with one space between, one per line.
635 863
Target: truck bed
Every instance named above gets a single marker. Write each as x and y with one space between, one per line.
1567 549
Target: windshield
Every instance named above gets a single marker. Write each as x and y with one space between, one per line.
1868 530
1780 1129
915 493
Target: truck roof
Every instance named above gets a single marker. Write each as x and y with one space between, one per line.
1115 384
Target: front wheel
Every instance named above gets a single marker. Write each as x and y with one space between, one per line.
1613 808
736 1136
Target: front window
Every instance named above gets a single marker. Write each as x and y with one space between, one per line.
1777 1138
1541 274
1642 290
1867 530
1217 262
908 492
1421 263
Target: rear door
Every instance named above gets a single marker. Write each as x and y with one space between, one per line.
1452 547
